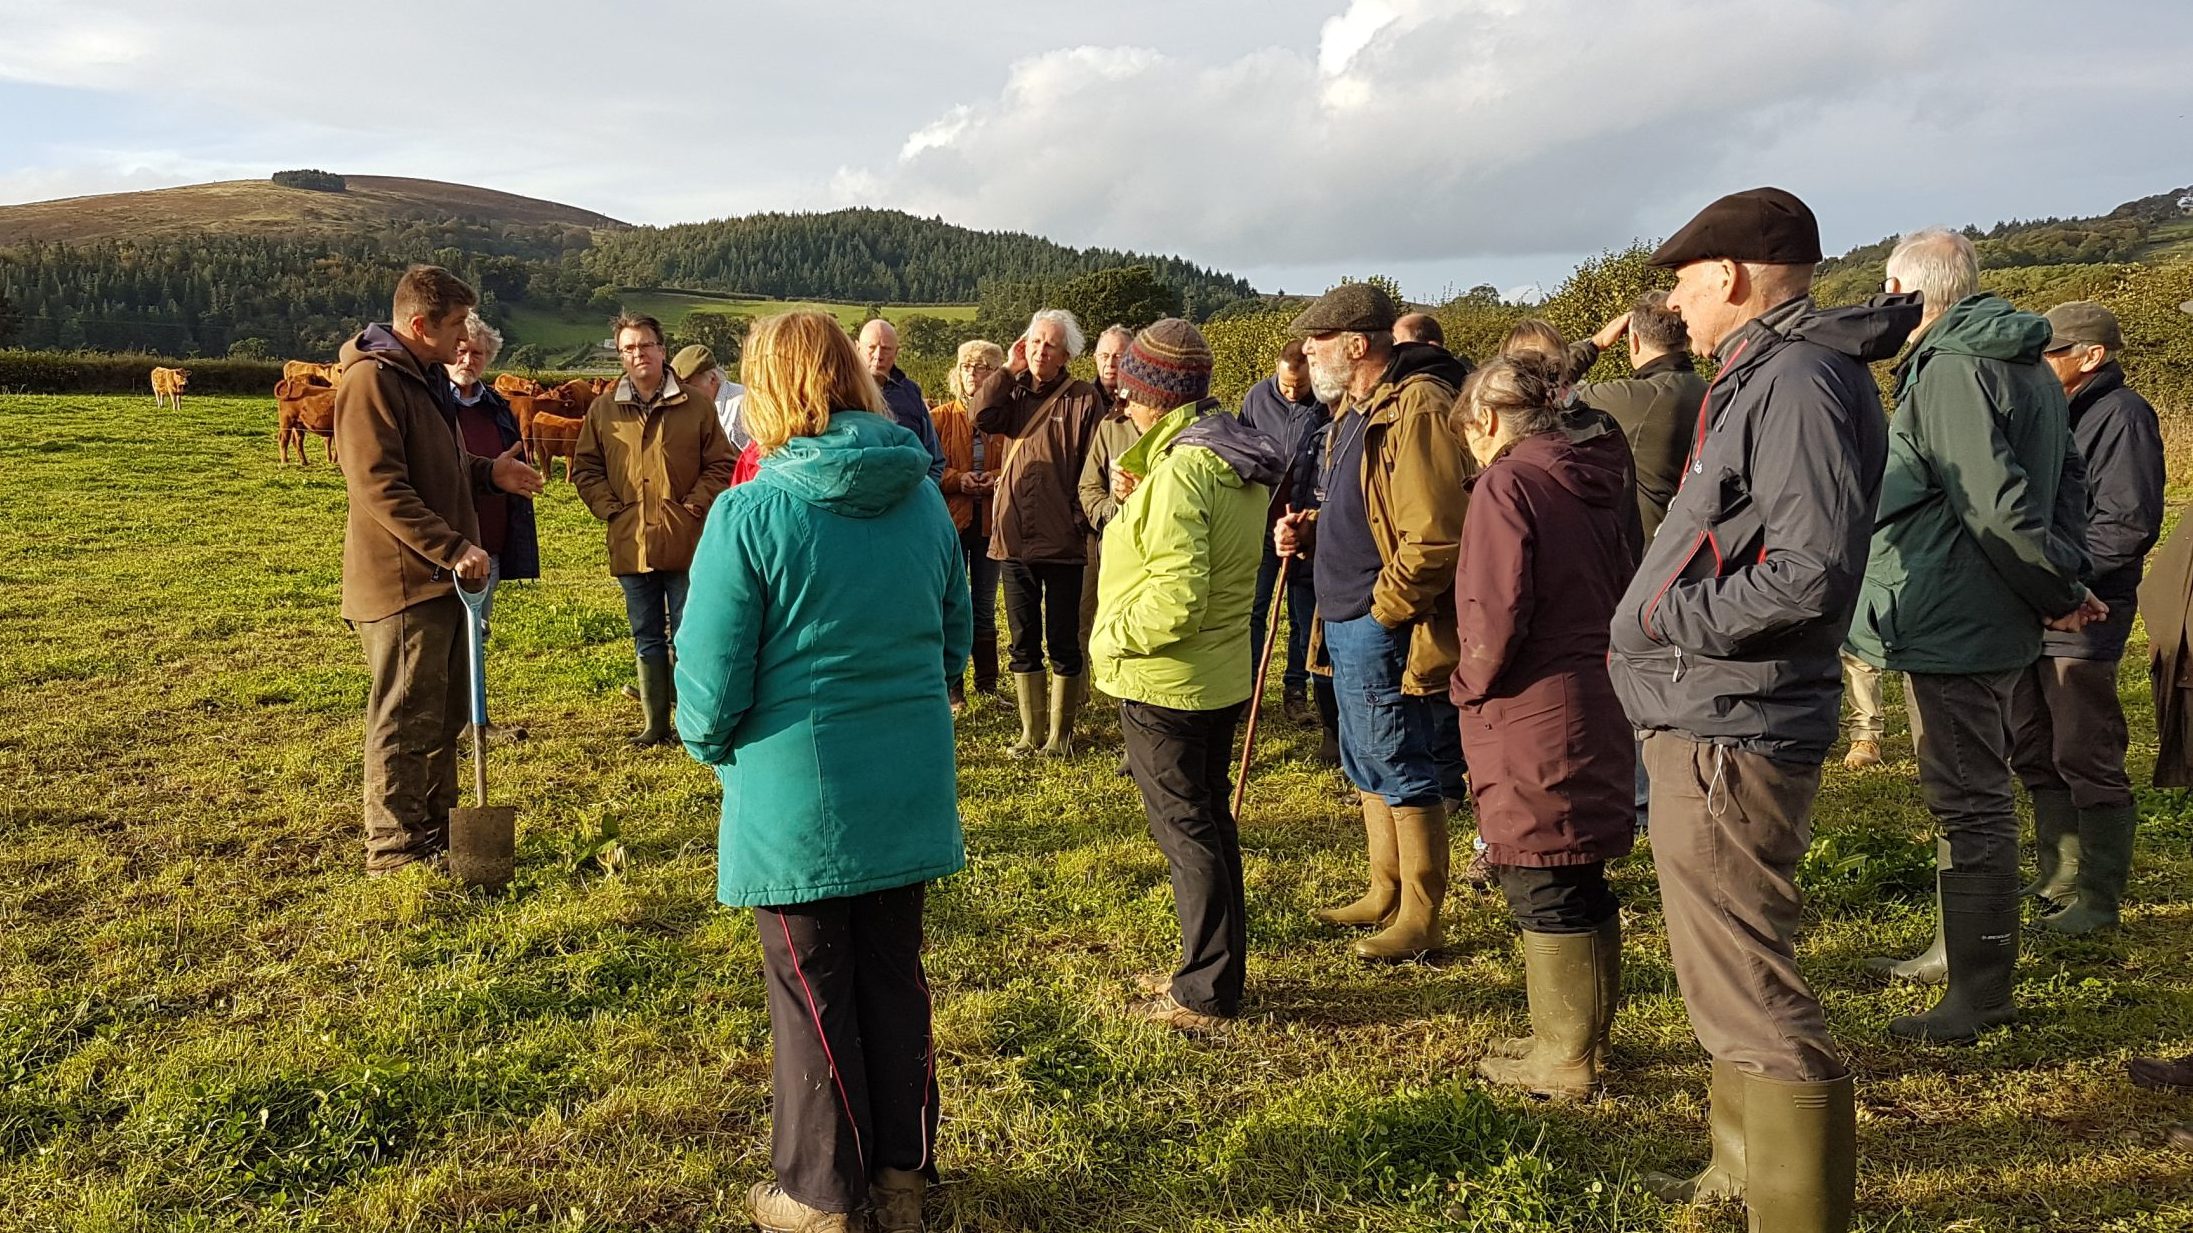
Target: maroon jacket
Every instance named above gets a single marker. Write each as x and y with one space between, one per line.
1546 552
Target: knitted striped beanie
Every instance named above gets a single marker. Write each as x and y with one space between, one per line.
1168 365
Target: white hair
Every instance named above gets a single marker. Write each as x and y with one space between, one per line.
1126 336
477 330
1067 325
1940 264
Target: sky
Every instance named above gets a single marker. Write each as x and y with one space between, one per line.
1444 143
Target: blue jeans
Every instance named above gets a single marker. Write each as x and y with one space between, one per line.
1301 605
654 603
1386 736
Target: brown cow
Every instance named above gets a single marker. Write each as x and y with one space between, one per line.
305 370
306 406
553 436
167 386
510 383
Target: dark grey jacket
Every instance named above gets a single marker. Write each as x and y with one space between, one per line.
1658 411
1731 631
2118 436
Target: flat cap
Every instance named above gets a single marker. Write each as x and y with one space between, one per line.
1349 306
1766 225
692 361
2083 321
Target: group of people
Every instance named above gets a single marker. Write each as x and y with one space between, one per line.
1616 601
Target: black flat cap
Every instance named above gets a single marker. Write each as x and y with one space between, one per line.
1359 307
1766 225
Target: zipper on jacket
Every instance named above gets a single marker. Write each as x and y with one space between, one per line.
1698 437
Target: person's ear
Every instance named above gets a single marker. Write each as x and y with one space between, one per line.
2095 358
1734 280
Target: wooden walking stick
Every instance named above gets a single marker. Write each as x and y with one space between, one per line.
1256 694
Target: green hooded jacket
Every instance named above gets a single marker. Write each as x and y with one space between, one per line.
1976 541
828 607
1177 574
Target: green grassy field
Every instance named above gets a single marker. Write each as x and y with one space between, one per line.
209 1020
563 331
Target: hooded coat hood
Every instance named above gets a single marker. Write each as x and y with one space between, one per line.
861 466
1988 327
1412 358
1253 455
1593 468
377 343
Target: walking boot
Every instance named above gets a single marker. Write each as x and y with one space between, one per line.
2056 849
1560 1058
955 692
654 682
1929 966
2162 1073
2104 862
1420 842
1723 1176
1028 697
1065 705
1980 933
985 657
1862 754
1800 1154
894 1201
1295 705
774 1211
1377 903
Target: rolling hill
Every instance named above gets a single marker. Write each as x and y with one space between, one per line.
260 207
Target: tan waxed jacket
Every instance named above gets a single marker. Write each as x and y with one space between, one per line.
651 473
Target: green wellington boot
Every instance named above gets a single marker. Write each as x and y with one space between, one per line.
1028 697
1377 904
1569 1017
1420 841
1980 931
1065 700
2055 849
655 698
1800 1154
1723 1176
1929 966
1607 955
2104 862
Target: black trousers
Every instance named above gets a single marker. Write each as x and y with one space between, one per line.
1561 899
1042 608
1179 760
855 1078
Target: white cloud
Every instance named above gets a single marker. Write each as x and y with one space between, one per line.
1444 141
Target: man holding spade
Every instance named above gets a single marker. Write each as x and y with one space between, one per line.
412 531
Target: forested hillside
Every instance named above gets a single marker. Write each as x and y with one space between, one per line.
883 256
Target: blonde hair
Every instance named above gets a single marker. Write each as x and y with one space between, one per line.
973 346
1535 336
800 367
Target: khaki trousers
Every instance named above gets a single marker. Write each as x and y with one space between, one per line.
1862 694
416 709
1728 829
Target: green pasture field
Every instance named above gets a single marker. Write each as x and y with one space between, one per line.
210 1021
562 331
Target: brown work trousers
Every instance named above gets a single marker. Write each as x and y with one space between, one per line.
1728 828
2067 731
416 709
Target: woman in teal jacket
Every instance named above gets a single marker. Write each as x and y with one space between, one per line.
828 608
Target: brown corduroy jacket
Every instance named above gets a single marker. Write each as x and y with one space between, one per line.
408 476
650 474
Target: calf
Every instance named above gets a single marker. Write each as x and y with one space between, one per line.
510 384
305 406
553 436
167 386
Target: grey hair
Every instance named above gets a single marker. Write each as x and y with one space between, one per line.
1125 335
476 329
1940 264
1065 322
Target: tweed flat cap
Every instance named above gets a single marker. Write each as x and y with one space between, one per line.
692 361
1349 306
2083 321
1767 225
